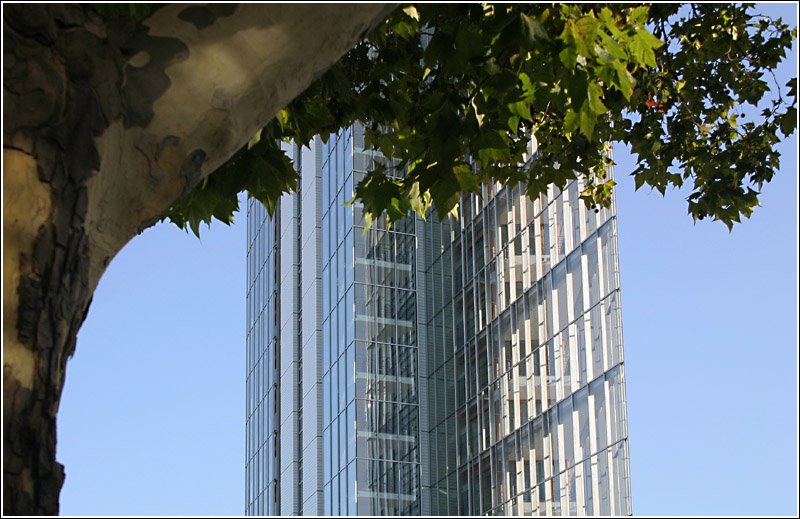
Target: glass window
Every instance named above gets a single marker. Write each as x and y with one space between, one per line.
342 386
326 499
580 338
325 239
607 251
590 252
351 489
350 321
560 288
335 495
333 389
344 455
596 329
351 372
604 483
326 456
326 399
335 158
348 210
613 342
341 230
341 329
576 279
545 298
333 276
335 445
619 462
340 272
616 406
565 417
582 410
351 431
347 270
575 204
325 289
598 399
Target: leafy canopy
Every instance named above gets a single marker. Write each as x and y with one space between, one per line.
454 92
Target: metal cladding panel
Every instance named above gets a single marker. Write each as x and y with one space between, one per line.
311 505
312 472
288 267
290 500
422 359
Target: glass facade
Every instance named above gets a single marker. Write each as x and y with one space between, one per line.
524 340
262 388
468 366
370 407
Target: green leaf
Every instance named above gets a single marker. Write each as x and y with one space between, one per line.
478 115
404 29
445 193
642 45
420 202
254 140
521 109
468 44
532 29
624 81
528 90
588 119
568 56
638 15
283 117
595 99
584 32
571 121
513 123
411 12
492 147
466 178
610 45
574 75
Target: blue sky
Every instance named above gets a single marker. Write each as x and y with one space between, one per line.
152 417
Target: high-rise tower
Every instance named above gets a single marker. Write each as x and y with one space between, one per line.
455 367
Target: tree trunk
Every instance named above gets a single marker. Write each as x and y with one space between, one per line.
53 296
105 126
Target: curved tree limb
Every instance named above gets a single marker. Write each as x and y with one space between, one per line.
105 126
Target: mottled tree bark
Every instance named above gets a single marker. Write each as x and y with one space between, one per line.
105 126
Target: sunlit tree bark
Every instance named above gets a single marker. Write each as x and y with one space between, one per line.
105 126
